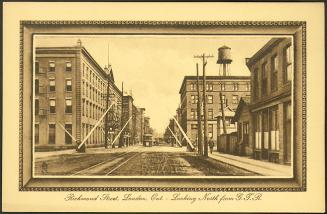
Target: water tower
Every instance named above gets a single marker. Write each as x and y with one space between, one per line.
224 60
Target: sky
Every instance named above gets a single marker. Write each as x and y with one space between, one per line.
153 67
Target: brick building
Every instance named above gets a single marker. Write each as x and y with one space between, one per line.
139 124
70 89
232 89
271 103
127 115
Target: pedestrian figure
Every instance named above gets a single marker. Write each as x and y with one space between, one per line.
44 168
211 144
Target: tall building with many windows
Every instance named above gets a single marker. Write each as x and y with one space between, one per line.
271 111
70 97
232 89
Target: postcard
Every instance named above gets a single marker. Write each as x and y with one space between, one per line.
190 113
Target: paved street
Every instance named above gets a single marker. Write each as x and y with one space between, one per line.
133 161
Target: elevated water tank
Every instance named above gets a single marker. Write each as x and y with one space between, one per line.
224 55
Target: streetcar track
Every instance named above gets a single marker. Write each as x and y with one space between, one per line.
103 162
120 165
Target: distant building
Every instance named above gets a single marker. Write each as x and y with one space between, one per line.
271 104
147 127
230 125
244 128
140 124
70 88
232 89
127 117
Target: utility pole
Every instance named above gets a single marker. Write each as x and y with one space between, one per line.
222 112
204 63
200 146
106 125
121 139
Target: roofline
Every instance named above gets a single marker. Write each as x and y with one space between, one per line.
240 106
212 78
82 48
77 48
262 51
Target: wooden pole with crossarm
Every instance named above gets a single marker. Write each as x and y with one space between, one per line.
205 140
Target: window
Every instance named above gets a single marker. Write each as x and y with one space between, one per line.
193 114
68 85
222 86
194 126
210 114
91 110
258 130
264 79
37 107
256 83
68 66
227 122
245 128
52 85
222 98
287 64
194 99
274 141
68 108
37 67
87 90
210 130
235 99
265 129
52 133
193 86
87 108
83 70
36 86
68 138
248 86
83 88
209 87
87 73
235 86
52 106
83 108
274 67
52 67
37 135
94 111
210 99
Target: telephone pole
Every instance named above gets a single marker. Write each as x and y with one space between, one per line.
204 63
106 121
121 139
200 146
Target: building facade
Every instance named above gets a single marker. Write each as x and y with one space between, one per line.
271 104
232 89
127 117
70 97
244 128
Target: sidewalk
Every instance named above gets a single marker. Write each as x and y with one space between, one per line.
88 150
258 166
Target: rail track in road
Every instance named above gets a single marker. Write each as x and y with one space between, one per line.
103 163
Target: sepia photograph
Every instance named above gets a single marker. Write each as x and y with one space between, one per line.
163 107
157 105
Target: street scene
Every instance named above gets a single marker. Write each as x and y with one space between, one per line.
162 106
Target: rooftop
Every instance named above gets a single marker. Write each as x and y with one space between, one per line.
213 78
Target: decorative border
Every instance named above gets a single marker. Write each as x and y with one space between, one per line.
164 23
26 23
